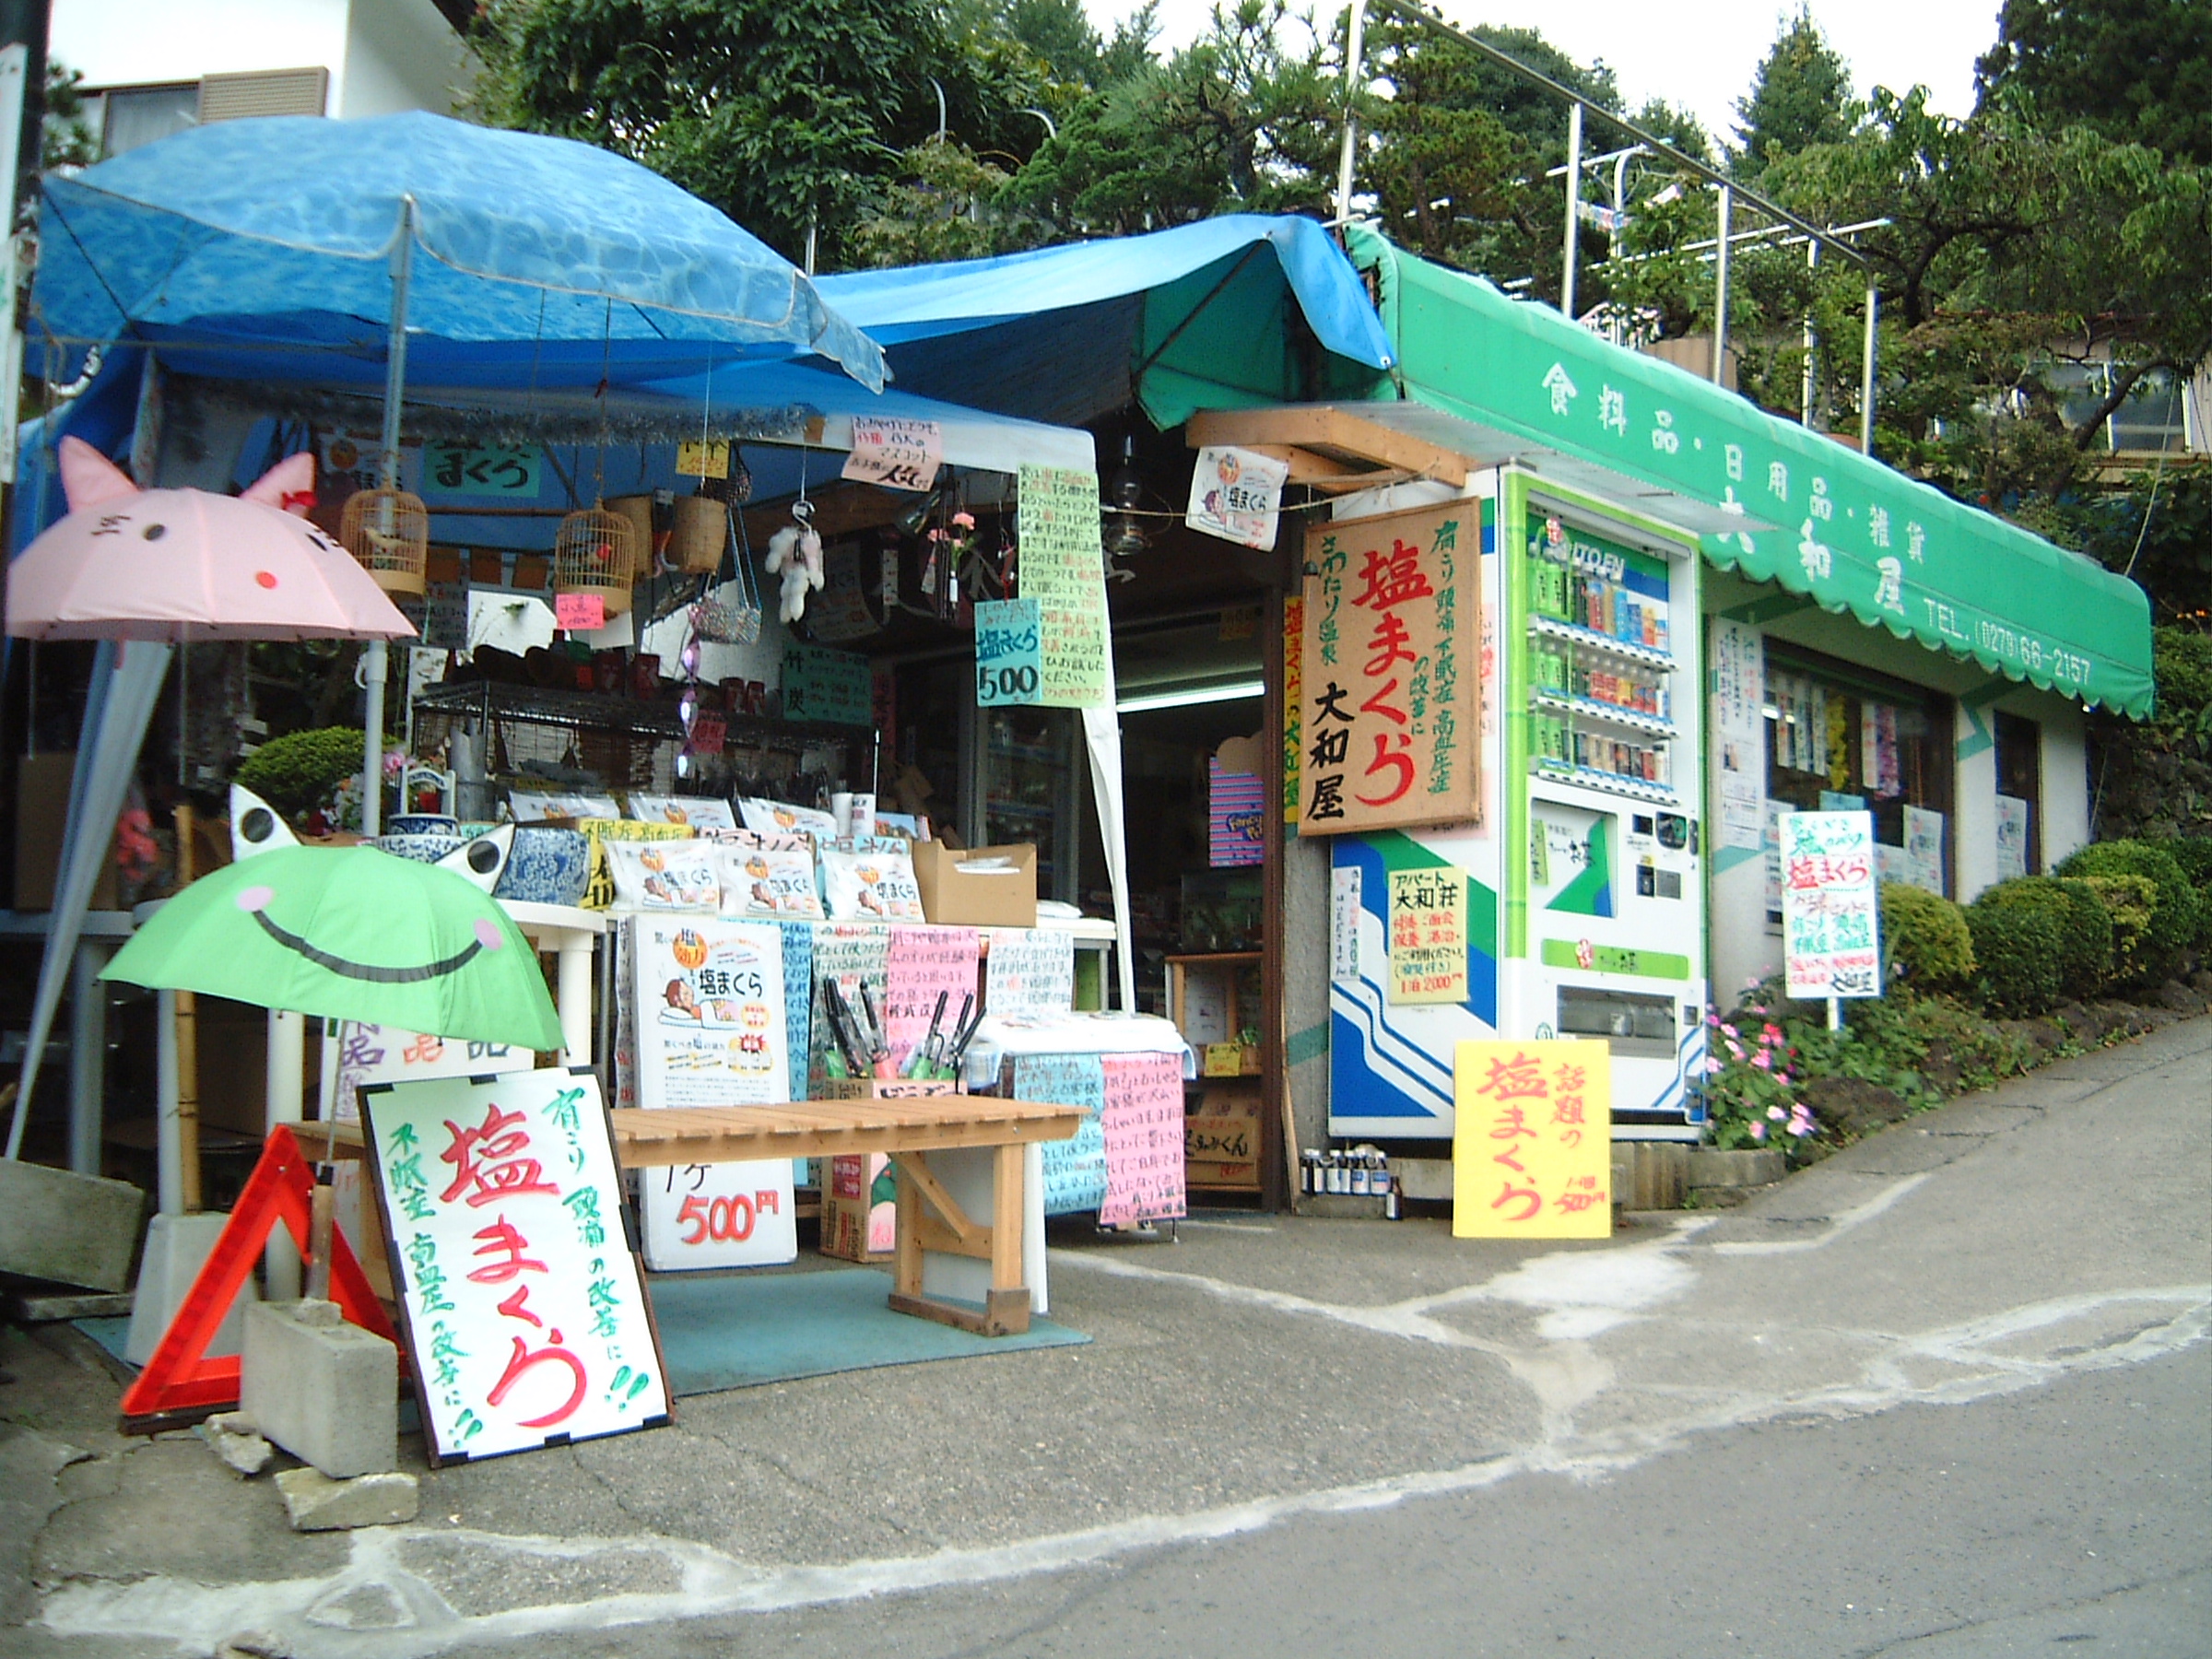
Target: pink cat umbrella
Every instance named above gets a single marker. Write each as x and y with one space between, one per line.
184 564
149 569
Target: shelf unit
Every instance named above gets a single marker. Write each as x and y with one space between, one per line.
1598 738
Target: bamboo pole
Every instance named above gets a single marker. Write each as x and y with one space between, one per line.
188 1043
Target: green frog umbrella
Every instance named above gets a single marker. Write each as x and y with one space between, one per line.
349 932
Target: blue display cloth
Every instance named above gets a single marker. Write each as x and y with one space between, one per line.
263 249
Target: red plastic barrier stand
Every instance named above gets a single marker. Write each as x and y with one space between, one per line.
180 1383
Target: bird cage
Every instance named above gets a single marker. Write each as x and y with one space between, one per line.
388 531
597 551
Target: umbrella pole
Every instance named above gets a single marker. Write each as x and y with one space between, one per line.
378 656
188 1045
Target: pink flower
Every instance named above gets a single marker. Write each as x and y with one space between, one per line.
1734 1052
1801 1121
1771 1033
1711 1065
1776 1113
1729 1030
1759 1132
963 521
1761 1061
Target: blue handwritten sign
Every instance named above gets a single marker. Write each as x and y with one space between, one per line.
1074 1170
1008 661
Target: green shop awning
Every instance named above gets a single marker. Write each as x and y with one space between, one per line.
1800 509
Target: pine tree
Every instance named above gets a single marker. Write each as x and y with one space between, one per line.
1800 97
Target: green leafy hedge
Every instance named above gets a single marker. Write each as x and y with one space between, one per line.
2175 907
1925 939
2019 959
2085 927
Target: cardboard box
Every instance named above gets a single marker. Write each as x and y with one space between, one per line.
42 822
1221 1140
997 888
860 1213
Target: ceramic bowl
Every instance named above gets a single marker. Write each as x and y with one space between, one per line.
422 823
423 848
549 865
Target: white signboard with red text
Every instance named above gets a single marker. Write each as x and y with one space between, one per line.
524 1310
713 1031
1831 910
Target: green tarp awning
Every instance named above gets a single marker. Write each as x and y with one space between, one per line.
1815 517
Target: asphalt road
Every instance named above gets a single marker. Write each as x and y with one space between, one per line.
1947 1393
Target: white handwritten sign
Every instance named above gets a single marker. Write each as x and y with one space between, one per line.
1008 663
1030 970
1831 912
714 1030
904 454
1144 1130
524 1312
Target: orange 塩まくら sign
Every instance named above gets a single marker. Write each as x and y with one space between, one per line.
1532 1140
1388 670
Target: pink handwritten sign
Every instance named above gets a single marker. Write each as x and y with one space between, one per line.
923 963
1144 1126
579 613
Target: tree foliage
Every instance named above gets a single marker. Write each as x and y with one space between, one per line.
1800 96
2138 71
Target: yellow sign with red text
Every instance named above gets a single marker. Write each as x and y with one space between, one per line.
1532 1142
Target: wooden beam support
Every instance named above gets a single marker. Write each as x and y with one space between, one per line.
1328 431
915 1167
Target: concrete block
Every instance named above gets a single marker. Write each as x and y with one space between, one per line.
1658 1174
1744 1167
231 1438
1425 1178
317 1503
325 1391
176 1248
75 1230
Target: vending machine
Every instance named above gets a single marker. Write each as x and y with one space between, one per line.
1578 883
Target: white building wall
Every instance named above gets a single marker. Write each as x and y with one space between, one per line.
1974 803
400 54
2065 804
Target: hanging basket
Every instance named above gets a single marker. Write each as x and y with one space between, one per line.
388 531
595 551
703 528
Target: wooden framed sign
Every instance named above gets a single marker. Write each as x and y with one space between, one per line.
1388 671
520 1294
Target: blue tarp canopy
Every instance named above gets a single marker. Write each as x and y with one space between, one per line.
1243 311
261 250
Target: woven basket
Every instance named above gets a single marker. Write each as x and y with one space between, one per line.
595 551
388 532
703 532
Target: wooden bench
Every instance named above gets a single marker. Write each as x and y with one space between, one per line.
909 1130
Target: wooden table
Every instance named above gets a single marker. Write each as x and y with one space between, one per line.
909 1130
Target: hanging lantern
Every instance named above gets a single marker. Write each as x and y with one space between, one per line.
595 551
388 532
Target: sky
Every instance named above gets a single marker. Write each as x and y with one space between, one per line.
1701 53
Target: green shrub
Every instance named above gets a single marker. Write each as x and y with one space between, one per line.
2019 959
2174 909
2085 927
1925 939
296 773
2194 854
2127 900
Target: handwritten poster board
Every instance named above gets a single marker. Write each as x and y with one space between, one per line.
1142 1120
1831 914
494 471
1062 568
922 964
524 1310
1739 694
713 1030
1532 1140
1008 662
1428 935
1294 684
1030 970
1074 1170
1388 708
2012 836
824 684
